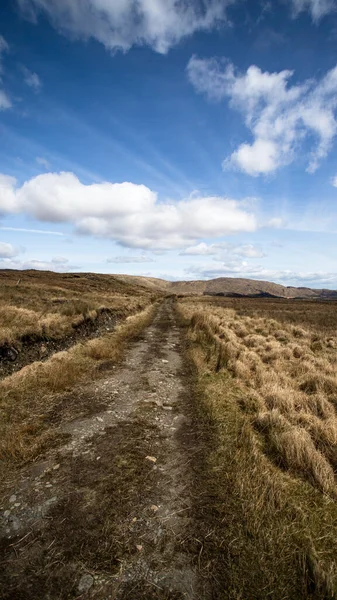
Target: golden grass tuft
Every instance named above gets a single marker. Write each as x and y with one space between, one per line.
291 377
293 448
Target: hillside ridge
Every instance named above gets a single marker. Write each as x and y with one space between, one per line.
221 286
231 286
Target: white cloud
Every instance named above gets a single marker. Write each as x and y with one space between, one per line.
3 48
223 249
60 260
43 162
280 116
201 249
57 265
317 8
120 24
5 101
7 250
276 223
249 251
130 259
8 201
25 230
232 267
31 79
242 269
125 212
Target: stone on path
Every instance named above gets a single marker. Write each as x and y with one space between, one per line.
85 583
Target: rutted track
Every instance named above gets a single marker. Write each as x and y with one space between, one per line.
108 514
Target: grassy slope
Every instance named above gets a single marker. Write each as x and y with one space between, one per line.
35 304
92 283
45 304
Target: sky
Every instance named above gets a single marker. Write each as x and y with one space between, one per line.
181 139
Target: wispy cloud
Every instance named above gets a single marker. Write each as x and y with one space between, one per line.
5 101
7 250
31 79
120 25
38 231
280 116
43 162
224 248
317 8
57 264
242 269
130 259
4 47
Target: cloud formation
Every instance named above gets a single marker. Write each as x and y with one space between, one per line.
242 269
7 250
317 8
3 48
125 212
31 79
130 259
33 231
221 249
5 101
119 25
43 162
249 251
201 249
57 264
280 116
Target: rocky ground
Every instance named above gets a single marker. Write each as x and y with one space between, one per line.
109 515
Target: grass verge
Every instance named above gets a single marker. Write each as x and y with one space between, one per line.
266 530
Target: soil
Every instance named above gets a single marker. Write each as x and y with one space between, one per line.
33 348
110 513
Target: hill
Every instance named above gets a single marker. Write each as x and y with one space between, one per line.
139 285
229 286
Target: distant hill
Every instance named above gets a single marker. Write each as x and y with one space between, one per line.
231 287
133 284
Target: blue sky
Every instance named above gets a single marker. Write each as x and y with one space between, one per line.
182 140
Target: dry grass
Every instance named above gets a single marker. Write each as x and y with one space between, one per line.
271 397
42 305
50 306
290 379
30 394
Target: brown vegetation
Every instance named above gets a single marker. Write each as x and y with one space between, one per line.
269 389
42 305
46 306
27 397
228 287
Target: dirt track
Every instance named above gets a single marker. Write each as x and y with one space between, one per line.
107 515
